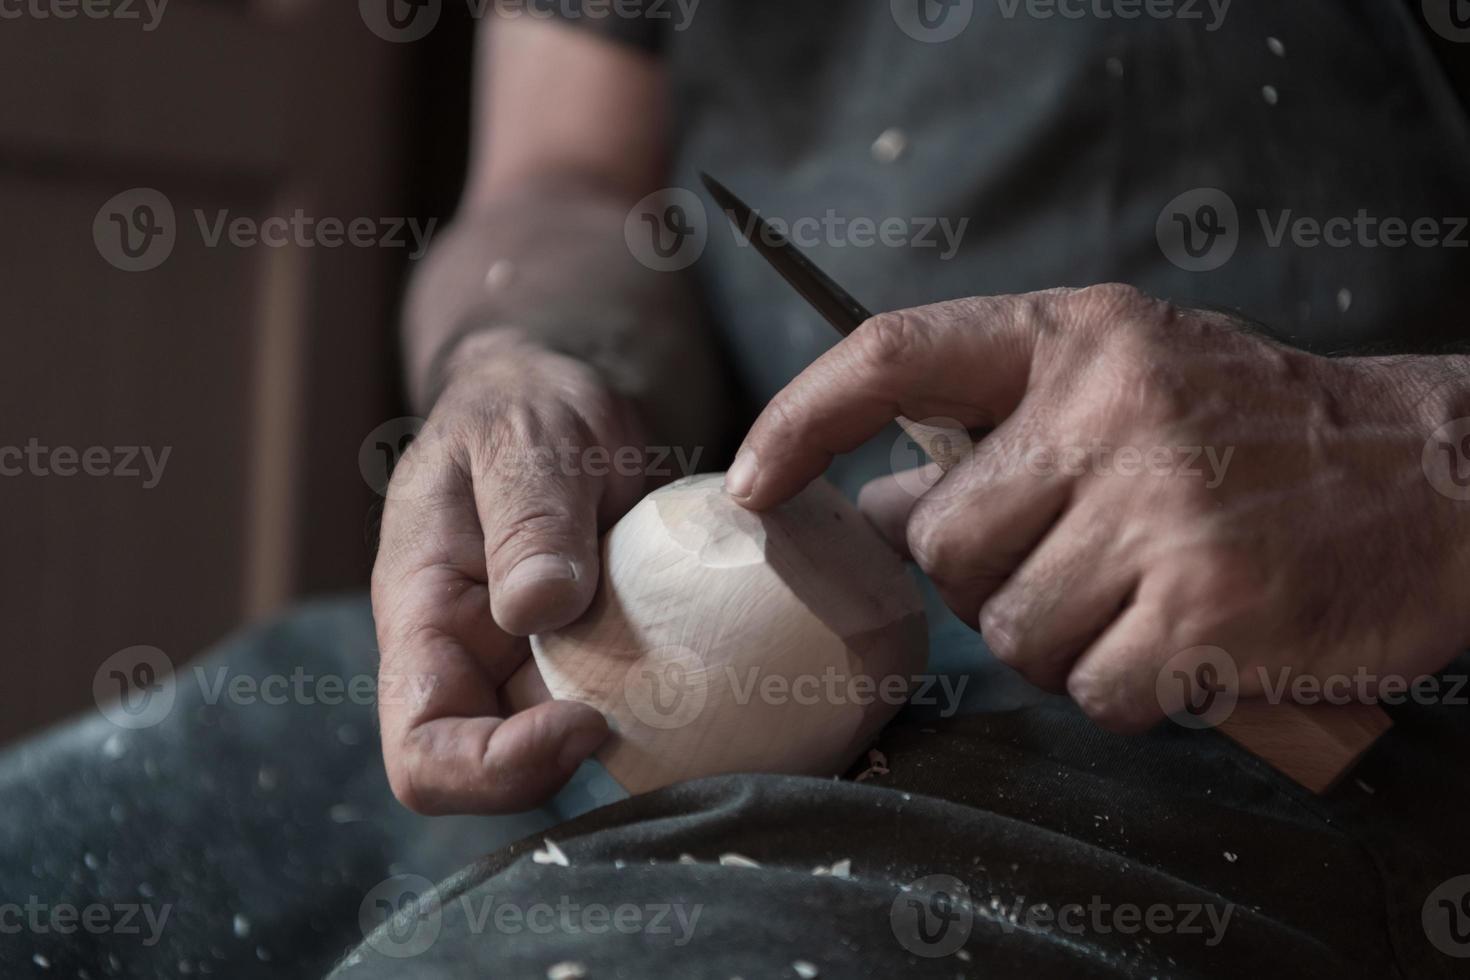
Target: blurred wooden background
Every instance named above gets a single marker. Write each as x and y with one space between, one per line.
262 369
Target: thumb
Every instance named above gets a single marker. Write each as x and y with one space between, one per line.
539 521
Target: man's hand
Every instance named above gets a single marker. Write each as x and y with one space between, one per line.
1156 480
489 536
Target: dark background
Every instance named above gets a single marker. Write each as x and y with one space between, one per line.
263 368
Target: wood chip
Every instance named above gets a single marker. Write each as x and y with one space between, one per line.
804 969
551 855
839 869
567 970
738 861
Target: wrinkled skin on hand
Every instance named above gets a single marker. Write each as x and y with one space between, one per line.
490 533
1155 480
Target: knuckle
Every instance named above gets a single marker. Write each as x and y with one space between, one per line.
1216 591
404 788
1103 705
1001 630
1110 300
780 422
1117 694
932 548
529 530
890 338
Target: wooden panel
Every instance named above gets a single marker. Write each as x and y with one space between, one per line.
100 357
204 90
261 369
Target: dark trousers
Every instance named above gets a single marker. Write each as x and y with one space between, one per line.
243 838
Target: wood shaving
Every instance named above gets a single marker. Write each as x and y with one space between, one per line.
551 855
839 869
737 861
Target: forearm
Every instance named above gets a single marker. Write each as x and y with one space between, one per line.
554 264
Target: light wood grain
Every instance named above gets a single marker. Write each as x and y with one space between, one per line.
722 640
1316 745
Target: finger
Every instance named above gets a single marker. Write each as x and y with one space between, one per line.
968 360
443 659
1063 597
538 505
494 765
977 525
1115 679
888 501
444 745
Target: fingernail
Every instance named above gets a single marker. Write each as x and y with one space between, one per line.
578 747
538 569
740 481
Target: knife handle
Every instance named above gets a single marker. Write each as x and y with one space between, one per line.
946 446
